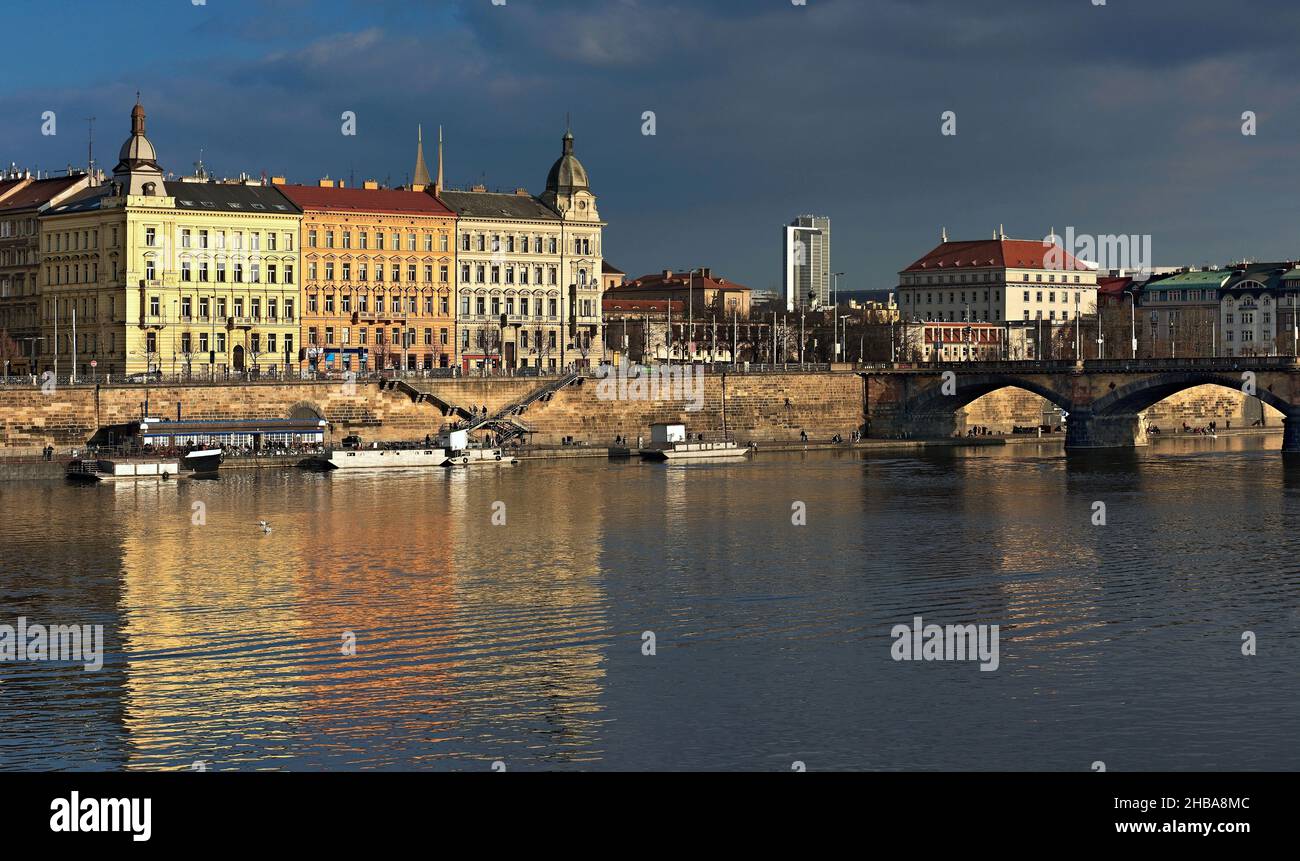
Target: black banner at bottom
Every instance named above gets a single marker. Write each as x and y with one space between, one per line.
136 811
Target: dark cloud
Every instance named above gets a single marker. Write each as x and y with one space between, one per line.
1122 118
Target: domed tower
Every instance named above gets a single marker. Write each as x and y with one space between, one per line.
567 188
137 163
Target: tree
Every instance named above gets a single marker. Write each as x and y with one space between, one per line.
10 352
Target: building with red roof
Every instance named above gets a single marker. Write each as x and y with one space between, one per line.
378 277
999 280
700 290
22 198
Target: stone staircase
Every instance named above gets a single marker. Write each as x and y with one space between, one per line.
506 422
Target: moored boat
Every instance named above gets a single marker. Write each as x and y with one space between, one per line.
481 457
695 451
669 442
121 469
204 461
378 458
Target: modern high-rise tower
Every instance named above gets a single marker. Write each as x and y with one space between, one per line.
806 255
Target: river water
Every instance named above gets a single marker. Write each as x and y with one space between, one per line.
521 642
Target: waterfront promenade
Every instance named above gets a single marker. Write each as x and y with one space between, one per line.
771 406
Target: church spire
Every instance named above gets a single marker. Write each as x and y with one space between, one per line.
421 175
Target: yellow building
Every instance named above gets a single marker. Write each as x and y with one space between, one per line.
378 265
193 277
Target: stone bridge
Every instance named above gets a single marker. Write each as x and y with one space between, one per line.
1103 398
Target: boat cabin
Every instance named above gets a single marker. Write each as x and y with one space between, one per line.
666 432
157 433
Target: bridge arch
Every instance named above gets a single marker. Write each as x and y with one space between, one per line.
971 387
1144 393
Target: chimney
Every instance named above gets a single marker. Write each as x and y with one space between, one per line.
277 180
522 192
479 188
417 187
706 273
370 184
668 274
326 183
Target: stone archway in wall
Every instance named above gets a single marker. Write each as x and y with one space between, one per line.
306 410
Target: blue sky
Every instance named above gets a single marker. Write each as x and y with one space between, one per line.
1117 119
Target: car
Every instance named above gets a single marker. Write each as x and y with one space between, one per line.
145 377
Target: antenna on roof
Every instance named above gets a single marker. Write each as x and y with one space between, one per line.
90 148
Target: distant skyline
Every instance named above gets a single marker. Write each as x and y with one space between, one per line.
1121 118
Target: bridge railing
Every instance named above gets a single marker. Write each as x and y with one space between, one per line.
1203 363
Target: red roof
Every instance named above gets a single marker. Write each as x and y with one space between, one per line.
389 200
618 303
702 280
39 191
1001 253
1113 286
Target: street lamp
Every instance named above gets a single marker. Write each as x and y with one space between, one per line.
1132 313
835 301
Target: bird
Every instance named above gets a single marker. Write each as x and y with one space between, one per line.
264 526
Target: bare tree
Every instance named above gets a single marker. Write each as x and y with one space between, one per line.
10 352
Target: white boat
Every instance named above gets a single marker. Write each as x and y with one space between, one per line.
122 469
381 458
481 457
461 453
669 442
695 451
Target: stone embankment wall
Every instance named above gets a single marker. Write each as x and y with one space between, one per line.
759 407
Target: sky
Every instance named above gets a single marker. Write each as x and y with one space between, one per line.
1123 118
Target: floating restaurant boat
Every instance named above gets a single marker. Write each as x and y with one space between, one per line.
668 442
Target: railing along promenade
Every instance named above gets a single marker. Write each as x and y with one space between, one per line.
1020 366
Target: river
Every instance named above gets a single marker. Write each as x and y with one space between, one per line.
500 615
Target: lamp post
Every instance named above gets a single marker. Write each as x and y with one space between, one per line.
1132 316
835 301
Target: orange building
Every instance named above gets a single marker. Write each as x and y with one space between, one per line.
378 267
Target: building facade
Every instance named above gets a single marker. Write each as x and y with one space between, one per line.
378 270
529 273
22 199
1258 309
1000 280
806 257
192 277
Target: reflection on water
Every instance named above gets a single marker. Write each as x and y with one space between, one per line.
522 641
